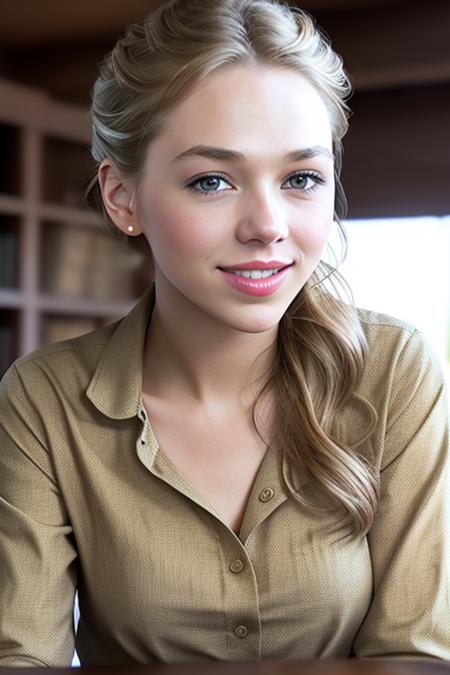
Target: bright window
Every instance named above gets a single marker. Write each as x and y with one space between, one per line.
401 267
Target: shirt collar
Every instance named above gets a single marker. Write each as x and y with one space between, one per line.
116 385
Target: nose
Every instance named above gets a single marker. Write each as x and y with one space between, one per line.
263 219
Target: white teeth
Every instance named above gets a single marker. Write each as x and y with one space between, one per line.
254 274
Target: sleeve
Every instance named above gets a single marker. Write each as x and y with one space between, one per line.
409 616
37 552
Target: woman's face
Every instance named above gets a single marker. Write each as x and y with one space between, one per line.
202 210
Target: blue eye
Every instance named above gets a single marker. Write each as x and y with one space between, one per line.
209 182
308 181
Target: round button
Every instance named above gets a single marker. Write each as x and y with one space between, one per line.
266 494
241 631
237 566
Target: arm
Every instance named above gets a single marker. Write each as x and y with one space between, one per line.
37 553
409 616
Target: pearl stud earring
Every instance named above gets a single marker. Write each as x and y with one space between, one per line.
130 228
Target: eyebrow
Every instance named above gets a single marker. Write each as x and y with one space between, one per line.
225 155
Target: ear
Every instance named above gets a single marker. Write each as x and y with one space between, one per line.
118 198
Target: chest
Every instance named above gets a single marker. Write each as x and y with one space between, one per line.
220 458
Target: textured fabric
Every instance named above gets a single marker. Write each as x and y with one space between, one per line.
88 500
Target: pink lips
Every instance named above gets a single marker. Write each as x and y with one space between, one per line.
256 287
258 265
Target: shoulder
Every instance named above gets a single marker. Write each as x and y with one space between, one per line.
402 371
392 341
75 347
68 362
383 325
404 383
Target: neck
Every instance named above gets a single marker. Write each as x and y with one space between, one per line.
193 359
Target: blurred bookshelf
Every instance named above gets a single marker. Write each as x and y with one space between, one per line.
61 273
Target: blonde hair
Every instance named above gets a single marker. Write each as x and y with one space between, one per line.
321 346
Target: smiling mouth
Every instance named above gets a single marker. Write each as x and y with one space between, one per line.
255 274
258 283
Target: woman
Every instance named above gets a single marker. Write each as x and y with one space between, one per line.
246 466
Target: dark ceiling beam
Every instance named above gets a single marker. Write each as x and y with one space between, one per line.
383 45
47 23
400 75
71 79
392 46
396 154
28 23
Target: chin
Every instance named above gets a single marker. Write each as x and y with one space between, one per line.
246 323
259 330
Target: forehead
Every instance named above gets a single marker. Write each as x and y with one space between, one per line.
260 108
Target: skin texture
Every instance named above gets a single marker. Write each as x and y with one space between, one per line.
205 335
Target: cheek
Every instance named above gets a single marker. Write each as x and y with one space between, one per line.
173 232
313 231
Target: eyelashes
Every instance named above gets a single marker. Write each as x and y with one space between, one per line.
310 181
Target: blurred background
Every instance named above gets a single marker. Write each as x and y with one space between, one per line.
62 275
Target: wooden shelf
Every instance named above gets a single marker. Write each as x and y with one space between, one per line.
67 167
17 206
12 205
71 216
78 306
62 274
11 299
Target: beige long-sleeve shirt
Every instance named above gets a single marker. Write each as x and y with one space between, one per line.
89 501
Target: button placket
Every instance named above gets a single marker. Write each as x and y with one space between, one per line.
237 566
242 611
241 631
